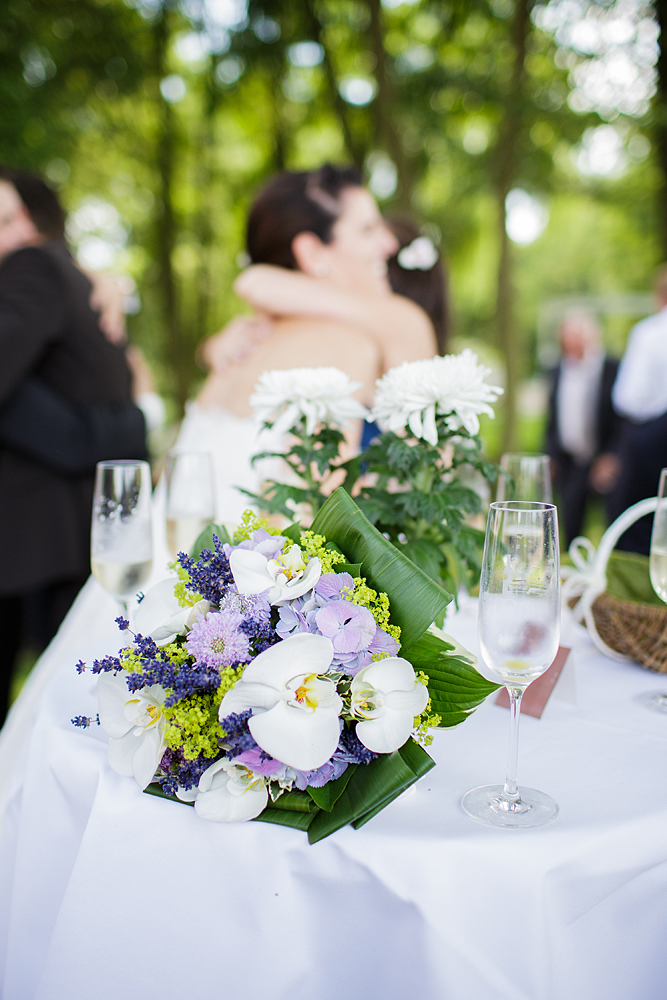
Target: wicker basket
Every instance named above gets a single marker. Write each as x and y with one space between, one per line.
639 631
621 629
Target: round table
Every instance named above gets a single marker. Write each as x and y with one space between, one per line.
109 893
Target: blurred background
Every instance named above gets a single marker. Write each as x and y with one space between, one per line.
530 139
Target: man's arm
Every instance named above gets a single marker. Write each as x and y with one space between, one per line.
32 310
70 439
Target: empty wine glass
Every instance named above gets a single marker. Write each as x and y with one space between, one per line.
121 536
190 498
528 477
519 629
657 700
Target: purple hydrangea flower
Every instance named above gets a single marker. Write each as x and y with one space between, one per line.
350 627
383 643
291 621
218 641
261 541
328 772
329 586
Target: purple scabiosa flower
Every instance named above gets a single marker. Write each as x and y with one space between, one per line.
350 627
218 641
255 606
329 587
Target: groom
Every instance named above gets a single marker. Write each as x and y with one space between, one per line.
50 340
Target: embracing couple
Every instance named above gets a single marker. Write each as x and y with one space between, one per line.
322 260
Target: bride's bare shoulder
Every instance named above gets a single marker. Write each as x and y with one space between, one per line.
296 343
310 341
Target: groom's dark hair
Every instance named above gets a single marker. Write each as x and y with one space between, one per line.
293 203
40 200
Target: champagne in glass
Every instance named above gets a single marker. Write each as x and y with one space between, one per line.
657 700
527 477
519 629
121 536
190 498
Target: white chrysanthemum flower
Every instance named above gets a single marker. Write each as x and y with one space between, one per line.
321 395
413 394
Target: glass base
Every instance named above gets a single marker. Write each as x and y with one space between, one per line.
656 701
487 805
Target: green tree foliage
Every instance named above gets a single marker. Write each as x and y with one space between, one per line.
172 120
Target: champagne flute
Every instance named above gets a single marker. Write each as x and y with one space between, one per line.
121 536
528 478
657 700
190 498
519 628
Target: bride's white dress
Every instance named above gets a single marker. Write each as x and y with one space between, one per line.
231 441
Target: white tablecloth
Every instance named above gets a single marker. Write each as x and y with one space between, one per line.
109 893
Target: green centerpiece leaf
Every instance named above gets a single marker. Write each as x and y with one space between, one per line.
371 788
205 540
455 685
415 599
327 795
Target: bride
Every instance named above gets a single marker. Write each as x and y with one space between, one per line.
325 224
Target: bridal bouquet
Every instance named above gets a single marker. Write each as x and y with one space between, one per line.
415 481
285 676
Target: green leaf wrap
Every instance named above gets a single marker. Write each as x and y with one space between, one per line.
415 599
455 686
371 788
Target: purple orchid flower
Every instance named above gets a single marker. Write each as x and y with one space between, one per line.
252 759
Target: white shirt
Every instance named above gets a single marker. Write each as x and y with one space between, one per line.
578 392
640 389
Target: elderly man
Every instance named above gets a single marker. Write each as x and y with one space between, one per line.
50 337
583 430
640 395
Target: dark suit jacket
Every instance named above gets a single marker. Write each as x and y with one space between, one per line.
48 331
608 423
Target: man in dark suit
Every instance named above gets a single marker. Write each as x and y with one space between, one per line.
49 335
583 429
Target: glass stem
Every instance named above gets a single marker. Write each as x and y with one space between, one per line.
511 789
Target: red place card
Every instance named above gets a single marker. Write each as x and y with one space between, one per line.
538 693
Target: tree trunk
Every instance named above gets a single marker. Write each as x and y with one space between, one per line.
165 221
506 170
341 109
660 118
385 109
205 179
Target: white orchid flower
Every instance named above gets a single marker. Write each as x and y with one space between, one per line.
230 793
161 617
285 577
295 712
135 725
386 696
